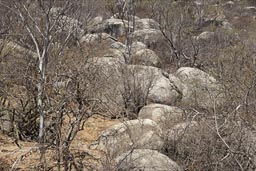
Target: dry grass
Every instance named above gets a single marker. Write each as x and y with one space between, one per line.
27 157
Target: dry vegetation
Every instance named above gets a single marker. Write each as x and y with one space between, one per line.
74 117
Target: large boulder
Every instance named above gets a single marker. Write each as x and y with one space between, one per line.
179 137
115 27
124 87
124 16
165 116
137 81
149 85
97 38
251 9
145 160
133 134
116 53
150 37
137 46
94 24
143 76
205 36
146 23
104 75
15 49
199 88
67 24
112 26
130 49
118 45
181 130
164 92
145 57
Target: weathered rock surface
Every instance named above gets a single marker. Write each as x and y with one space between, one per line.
164 92
118 45
143 76
115 27
6 124
128 50
250 9
96 38
67 24
105 83
133 134
181 130
146 160
204 36
146 23
150 37
116 53
199 88
11 47
165 116
94 24
145 57
136 46
137 81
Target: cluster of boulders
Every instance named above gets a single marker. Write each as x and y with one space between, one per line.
138 144
130 74
130 70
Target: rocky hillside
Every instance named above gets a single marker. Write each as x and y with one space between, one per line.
128 85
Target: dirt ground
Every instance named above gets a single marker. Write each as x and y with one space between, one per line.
27 157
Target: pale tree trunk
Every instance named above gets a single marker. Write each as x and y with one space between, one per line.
40 87
43 60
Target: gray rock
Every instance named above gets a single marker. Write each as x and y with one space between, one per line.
133 134
164 92
146 23
128 50
165 116
150 37
180 131
205 36
94 24
121 86
145 160
136 46
115 27
229 4
116 53
12 47
125 16
118 45
137 81
6 124
67 24
145 57
96 38
250 9
150 83
143 76
133 48
106 81
199 88
226 25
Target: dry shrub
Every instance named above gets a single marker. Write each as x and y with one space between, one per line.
201 148
3 164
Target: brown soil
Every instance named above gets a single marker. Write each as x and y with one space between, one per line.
27 157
